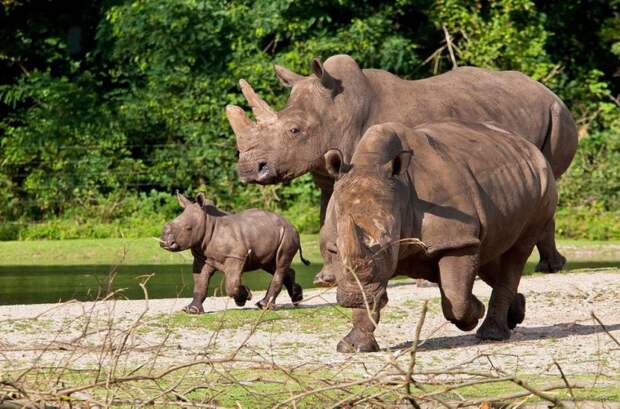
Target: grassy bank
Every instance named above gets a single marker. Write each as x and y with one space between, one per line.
109 252
147 251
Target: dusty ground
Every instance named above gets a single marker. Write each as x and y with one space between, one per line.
558 326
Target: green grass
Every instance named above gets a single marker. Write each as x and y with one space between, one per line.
267 386
147 251
301 319
109 252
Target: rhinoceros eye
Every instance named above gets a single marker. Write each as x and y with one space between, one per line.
294 130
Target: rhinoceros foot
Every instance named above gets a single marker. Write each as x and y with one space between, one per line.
244 295
516 312
357 341
493 330
265 304
297 295
552 265
193 309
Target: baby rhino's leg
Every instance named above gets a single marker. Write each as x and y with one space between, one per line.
294 290
201 285
283 273
233 268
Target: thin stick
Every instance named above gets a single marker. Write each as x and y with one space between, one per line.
449 43
418 330
604 328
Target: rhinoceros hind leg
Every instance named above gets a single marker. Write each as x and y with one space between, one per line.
242 296
516 312
551 261
297 295
553 265
491 329
506 306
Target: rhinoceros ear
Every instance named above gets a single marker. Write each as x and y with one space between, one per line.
327 80
287 77
183 201
202 200
399 164
334 163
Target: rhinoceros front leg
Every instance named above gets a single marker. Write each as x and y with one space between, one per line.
201 274
457 271
361 338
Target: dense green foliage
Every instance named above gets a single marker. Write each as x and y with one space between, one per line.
108 107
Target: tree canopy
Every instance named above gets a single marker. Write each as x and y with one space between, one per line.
108 107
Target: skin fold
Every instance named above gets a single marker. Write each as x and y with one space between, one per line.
478 197
234 243
339 102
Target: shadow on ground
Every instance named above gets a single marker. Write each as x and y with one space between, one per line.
520 334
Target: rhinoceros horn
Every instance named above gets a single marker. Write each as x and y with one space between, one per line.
262 110
353 246
242 126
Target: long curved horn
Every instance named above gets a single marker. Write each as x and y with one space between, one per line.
241 125
262 110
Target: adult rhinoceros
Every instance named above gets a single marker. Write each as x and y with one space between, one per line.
333 107
479 199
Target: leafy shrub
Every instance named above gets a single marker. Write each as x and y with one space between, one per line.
105 104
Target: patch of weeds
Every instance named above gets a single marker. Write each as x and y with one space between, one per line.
30 325
304 319
393 314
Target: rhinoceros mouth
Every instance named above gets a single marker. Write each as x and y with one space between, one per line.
169 245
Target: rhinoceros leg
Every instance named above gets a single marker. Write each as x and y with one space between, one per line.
283 274
269 300
232 271
201 285
457 271
551 261
361 337
505 306
294 290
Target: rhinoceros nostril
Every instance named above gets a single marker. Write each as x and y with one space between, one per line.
262 167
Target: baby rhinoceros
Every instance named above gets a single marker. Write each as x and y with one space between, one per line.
233 244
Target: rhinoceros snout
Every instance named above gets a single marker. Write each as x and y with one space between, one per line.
261 172
167 239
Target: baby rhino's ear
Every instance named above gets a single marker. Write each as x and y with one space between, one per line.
203 201
183 201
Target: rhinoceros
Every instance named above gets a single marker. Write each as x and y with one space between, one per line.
473 198
233 244
333 107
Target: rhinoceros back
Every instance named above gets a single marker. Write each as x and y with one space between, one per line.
479 181
254 229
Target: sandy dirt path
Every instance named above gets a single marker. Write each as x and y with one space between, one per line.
558 326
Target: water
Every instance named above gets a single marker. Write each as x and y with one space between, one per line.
48 284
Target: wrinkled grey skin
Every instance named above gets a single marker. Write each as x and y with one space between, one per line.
478 197
233 244
333 107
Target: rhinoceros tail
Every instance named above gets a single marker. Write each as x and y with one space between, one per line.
301 256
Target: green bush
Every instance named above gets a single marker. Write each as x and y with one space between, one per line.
590 223
109 107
